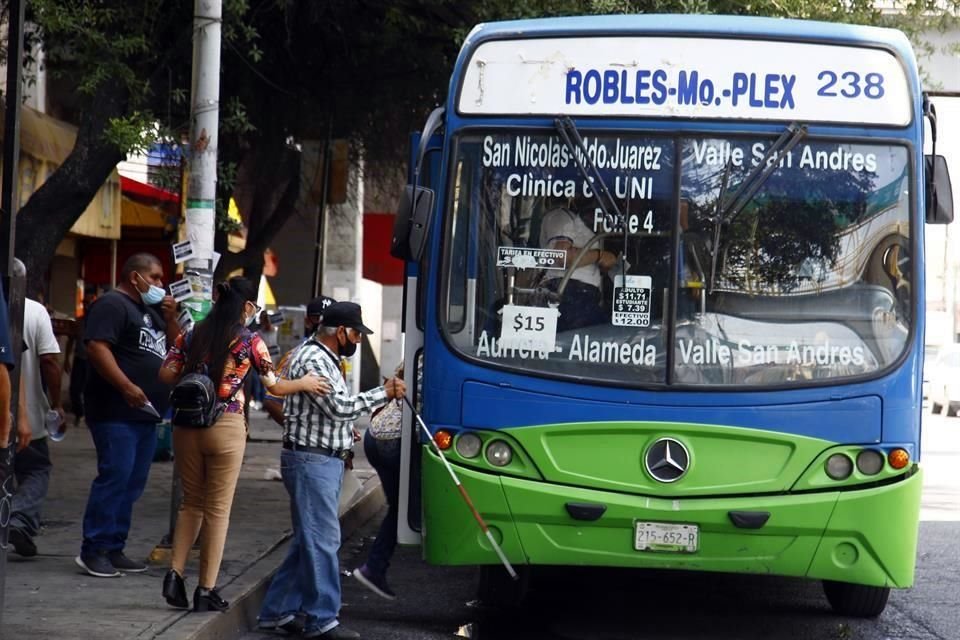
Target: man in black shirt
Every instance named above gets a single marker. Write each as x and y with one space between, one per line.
127 331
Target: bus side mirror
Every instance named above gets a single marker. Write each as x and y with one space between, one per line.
939 190
412 223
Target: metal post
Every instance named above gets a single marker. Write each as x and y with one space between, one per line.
113 264
321 237
202 174
13 287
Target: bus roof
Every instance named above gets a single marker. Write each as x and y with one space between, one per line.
688 66
693 24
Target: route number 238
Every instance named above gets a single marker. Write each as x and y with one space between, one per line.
850 84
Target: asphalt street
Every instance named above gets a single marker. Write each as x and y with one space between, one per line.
591 604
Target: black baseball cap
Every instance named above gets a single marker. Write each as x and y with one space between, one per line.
317 306
345 314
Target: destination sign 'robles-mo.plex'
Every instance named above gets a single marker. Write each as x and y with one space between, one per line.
687 77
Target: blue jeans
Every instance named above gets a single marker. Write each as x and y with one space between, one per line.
124 453
384 455
308 581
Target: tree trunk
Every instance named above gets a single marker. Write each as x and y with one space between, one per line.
53 209
267 216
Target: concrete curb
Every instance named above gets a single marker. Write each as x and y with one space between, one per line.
246 592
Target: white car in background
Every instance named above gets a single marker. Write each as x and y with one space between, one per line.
944 380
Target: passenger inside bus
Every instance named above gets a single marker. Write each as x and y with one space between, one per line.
581 304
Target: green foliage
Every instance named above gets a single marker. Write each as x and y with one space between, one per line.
134 132
234 119
97 42
226 182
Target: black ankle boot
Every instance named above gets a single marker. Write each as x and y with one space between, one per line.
174 590
208 600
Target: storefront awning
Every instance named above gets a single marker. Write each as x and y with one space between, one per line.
148 207
45 143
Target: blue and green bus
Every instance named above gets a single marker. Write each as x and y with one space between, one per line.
664 301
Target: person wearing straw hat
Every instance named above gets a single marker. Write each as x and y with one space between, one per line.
317 443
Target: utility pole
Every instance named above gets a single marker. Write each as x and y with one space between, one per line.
12 286
201 177
202 168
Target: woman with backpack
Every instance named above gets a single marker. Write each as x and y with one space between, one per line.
206 367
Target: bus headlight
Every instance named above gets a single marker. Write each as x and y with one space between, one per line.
468 445
499 453
870 462
838 466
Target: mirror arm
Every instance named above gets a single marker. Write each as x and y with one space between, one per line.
930 112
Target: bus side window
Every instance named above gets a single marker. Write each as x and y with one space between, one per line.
458 236
431 160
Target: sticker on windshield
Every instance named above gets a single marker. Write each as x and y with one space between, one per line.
523 258
631 301
533 328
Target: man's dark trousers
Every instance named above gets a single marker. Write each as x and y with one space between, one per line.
124 454
32 470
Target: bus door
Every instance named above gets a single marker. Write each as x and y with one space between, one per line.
428 157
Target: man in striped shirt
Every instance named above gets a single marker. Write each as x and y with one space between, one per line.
317 440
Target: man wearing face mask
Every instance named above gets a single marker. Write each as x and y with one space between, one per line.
127 331
317 441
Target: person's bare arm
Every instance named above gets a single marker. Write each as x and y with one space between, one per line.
168 309
168 376
603 259
24 432
274 409
306 384
52 375
101 358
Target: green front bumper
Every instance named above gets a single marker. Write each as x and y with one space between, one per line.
865 536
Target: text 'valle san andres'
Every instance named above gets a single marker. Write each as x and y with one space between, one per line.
584 348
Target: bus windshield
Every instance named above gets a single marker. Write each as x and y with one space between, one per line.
715 273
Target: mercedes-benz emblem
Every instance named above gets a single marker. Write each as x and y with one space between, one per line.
667 460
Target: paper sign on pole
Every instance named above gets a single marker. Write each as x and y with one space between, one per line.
183 251
200 232
181 290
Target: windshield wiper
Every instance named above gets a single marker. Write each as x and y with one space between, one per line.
764 169
571 137
748 188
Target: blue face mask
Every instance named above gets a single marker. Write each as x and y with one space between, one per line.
154 294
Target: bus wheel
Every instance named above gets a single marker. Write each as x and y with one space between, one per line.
857 600
497 589
935 407
951 409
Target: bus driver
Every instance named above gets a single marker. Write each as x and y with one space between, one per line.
582 301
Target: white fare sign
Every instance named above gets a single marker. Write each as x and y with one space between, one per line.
533 328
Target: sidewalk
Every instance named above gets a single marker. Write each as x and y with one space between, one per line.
48 596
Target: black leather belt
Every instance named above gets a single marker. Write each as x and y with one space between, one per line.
343 454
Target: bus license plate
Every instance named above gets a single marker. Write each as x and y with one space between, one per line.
660 536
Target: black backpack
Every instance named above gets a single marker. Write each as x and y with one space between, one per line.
194 402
